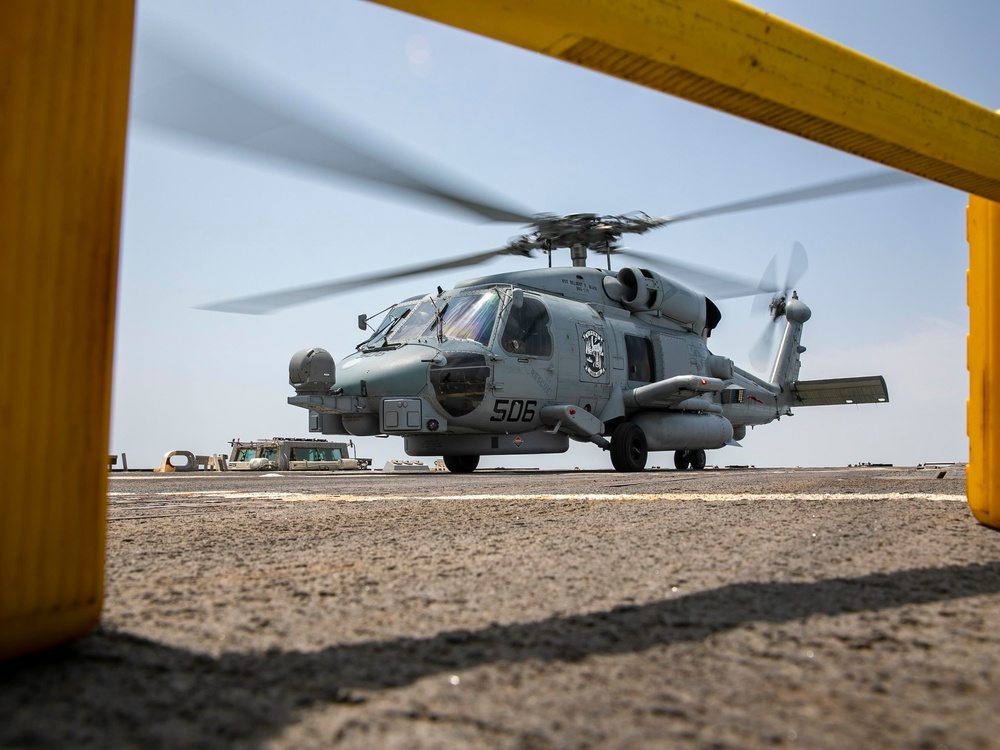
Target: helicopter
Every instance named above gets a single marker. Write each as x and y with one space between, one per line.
524 362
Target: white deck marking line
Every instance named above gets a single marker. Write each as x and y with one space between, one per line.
708 497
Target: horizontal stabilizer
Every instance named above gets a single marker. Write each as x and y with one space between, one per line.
837 391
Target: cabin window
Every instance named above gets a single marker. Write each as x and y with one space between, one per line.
527 331
248 454
639 351
313 453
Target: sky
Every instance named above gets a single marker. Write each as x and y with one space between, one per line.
886 281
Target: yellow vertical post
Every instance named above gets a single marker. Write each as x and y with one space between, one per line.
64 77
983 356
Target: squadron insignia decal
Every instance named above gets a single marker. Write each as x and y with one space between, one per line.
593 353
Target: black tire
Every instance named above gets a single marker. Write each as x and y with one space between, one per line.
682 460
698 460
461 464
628 447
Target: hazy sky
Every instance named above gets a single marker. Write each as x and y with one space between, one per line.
887 269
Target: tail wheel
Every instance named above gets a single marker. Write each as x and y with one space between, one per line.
628 447
461 464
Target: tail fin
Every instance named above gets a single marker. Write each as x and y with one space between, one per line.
795 392
786 364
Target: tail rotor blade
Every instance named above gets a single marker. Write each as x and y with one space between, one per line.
798 265
768 286
760 354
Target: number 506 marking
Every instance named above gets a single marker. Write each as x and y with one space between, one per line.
513 410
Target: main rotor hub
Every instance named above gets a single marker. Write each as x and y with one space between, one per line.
580 233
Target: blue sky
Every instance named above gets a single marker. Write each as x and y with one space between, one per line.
887 269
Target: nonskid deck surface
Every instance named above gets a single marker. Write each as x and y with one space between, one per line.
728 608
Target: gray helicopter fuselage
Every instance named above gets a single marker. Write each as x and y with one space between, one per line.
524 362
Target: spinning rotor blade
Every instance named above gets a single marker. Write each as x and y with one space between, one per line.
768 285
858 184
798 264
176 92
261 304
760 355
719 285
714 283
211 108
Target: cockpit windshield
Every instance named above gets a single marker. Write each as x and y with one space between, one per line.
468 316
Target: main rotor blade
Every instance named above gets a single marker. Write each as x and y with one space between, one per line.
857 184
714 283
261 304
212 108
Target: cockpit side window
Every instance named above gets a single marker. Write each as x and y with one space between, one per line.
527 330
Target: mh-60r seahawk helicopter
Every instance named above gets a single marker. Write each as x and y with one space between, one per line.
523 362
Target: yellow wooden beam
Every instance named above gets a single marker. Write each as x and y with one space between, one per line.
983 417
64 78
738 59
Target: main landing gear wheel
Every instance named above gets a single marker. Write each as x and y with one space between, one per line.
684 460
628 447
461 464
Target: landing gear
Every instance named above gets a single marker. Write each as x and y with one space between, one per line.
684 460
461 464
628 447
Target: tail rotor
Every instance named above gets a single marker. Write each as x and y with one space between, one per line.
773 299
